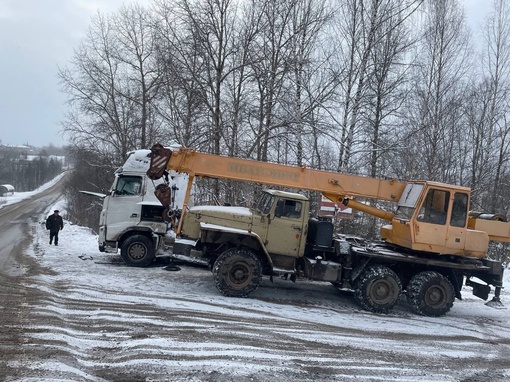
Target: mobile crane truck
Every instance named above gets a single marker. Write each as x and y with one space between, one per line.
430 248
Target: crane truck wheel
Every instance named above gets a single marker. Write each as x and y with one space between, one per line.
377 289
237 272
137 251
430 294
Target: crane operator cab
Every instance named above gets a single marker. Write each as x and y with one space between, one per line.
433 217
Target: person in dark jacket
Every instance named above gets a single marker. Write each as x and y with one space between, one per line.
54 224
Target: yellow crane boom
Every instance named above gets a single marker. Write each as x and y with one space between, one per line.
334 186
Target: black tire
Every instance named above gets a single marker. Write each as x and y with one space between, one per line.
377 289
138 251
237 272
430 294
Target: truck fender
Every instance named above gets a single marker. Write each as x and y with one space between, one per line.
219 228
136 230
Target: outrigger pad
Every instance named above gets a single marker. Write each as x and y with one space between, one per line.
159 160
495 303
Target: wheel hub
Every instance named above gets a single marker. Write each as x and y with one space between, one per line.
137 252
435 296
381 292
239 275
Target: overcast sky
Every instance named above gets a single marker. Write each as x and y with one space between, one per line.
37 36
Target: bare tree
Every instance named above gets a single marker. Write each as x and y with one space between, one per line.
363 26
302 82
309 18
268 63
137 51
92 173
107 107
92 83
238 89
436 100
387 86
183 102
211 23
496 67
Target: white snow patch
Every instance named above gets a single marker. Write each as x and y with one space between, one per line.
80 267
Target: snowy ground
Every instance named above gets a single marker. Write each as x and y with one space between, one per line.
85 316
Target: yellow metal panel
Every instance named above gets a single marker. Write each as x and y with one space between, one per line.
497 230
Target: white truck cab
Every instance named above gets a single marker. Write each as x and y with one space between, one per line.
132 218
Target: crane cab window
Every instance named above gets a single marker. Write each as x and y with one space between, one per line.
289 209
408 201
435 207
128 186
459 210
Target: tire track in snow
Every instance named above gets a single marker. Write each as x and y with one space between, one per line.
88 321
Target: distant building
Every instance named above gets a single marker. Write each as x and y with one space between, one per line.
57 158
20 151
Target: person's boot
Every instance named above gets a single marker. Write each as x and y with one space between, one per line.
50 242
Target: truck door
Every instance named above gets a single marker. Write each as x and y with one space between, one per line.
457 230
430 226
121 208
286 231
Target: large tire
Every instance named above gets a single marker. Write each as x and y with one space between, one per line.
138 251
430 294
377 289
237 272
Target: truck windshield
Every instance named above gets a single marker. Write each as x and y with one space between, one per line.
128 185
265 203
408 200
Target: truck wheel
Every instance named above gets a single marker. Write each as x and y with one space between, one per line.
138 251
430 294
237 272
377 289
